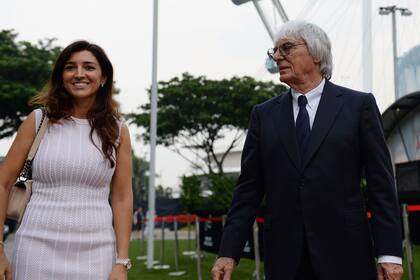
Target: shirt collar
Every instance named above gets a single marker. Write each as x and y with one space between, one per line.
312 95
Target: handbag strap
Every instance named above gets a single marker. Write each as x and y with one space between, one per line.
26 172
39 135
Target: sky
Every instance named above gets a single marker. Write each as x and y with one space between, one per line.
214 38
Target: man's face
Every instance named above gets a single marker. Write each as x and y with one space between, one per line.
294 61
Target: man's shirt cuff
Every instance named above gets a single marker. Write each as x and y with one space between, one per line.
389 259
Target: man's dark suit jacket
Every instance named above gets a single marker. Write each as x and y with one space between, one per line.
318 198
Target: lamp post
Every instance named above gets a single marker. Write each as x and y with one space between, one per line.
404 12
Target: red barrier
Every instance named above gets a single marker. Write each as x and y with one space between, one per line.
413 208
191 218
179 218
260 220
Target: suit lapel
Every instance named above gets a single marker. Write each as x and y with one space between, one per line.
328 108
285 125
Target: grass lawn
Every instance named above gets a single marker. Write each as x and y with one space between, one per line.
243 272
140 272
416 258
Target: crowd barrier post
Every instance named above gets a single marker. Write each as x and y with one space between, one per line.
176 272
162 264
198 249
142 244
408 246
188 252
189 232
256 250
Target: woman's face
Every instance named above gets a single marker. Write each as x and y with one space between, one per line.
82 76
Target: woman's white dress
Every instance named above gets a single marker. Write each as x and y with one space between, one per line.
67 232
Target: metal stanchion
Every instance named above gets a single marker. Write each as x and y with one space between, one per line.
141 242
176 272
198 252
407 242
256 251
162 249
154 262
188 252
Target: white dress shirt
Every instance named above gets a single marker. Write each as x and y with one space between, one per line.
314 96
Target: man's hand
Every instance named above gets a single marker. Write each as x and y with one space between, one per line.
222 269
389 271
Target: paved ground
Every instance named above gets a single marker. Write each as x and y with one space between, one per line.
169 235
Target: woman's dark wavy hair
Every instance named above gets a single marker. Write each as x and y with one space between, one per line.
103 115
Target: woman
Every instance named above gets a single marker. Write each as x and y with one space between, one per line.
69 230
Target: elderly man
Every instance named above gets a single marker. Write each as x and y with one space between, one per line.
305 152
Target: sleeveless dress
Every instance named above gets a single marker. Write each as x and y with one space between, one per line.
67 231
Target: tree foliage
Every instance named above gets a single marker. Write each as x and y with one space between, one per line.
140 182
195 113
24 70
140 179
222 186
163 192
190 196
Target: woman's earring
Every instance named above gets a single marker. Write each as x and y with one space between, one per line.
102 84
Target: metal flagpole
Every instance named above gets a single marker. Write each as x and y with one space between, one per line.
367 45
153 124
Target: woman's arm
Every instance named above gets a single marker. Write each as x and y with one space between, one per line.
13 163
122 194
9 171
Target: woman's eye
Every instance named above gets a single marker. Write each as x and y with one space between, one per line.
68 67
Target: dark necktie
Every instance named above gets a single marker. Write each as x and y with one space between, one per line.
303 128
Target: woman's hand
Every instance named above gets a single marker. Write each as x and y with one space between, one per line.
5 268
119 272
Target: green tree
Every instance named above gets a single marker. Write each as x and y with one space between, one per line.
190 196
24 70
195 113
140 179
221 186
163 192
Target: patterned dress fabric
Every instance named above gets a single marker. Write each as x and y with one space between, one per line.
67 232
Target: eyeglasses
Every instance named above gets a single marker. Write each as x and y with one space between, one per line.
284 49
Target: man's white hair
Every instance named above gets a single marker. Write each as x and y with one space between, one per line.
317 41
